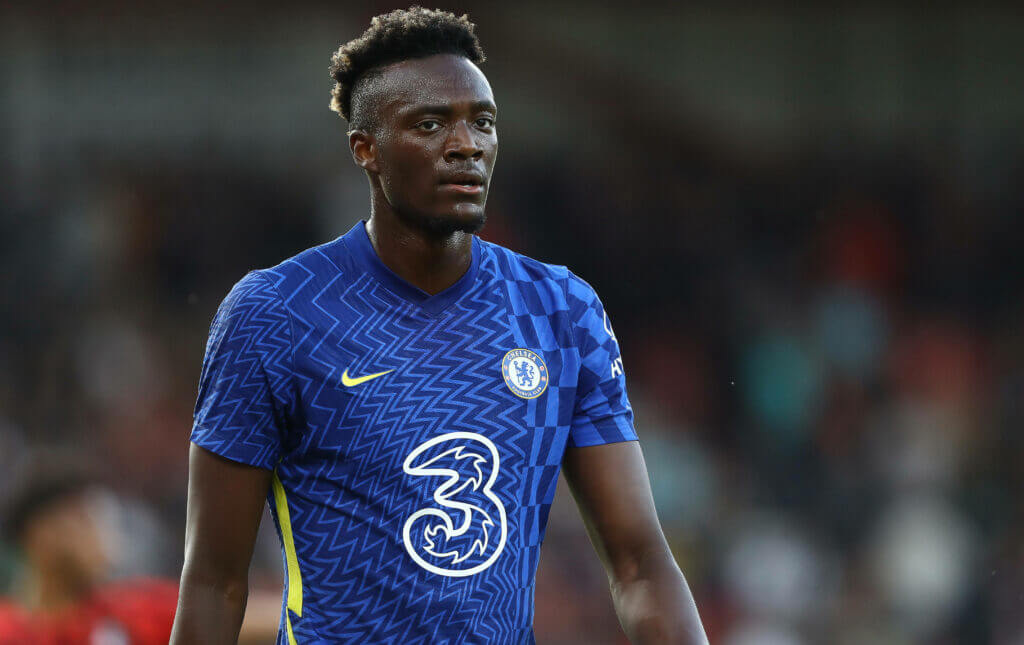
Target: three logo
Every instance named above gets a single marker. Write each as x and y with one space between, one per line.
467 518
465 528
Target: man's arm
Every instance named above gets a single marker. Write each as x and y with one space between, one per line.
612 491
225 504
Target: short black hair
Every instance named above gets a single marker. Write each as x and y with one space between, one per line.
401 35
38 484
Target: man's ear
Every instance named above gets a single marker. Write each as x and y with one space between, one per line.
364 149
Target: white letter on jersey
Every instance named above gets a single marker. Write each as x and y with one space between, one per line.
440 537
608 327
617 367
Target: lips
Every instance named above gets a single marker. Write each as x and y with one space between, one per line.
463 182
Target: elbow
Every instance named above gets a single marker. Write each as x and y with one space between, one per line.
638 563
653 600
233 592
215 584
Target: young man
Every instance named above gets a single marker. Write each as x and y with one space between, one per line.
52 517
408 394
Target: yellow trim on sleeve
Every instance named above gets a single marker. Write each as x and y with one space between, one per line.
294 576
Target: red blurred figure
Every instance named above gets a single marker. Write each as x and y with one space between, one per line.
55 520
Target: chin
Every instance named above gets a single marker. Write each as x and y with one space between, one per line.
443 225
468 222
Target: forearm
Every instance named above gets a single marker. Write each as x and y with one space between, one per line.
225 503
210 610
651 596
654 604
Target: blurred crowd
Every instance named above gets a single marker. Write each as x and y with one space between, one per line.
826 364
826 367
824 350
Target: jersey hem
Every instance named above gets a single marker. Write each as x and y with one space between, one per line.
233 457
600 442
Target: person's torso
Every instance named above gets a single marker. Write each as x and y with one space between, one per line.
138 612
424 444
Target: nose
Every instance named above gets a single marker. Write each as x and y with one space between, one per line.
462 144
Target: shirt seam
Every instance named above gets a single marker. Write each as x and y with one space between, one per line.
288 315
572 322
329 257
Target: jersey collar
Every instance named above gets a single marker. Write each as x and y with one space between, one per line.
361 251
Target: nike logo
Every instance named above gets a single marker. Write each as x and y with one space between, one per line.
348 381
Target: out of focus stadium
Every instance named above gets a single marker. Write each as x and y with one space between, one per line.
805 222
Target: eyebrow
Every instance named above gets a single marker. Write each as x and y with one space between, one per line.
447 109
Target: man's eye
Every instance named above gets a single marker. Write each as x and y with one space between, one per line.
429 126
485 122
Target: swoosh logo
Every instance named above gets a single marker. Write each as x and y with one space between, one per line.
348 381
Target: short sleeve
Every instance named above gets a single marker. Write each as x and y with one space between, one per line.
245 385
602 413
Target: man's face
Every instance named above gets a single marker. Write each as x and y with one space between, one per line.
436 142
71 537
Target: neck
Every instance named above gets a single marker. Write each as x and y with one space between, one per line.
429 262
49 592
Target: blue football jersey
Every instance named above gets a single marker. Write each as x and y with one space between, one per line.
415 439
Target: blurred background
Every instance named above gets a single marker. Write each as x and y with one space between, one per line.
805 223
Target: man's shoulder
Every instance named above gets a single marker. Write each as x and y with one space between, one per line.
322 260
512 265
142 588
309 269
13 621
524 269
143 607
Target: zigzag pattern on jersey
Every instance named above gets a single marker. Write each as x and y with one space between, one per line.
249 361
271 395
361 583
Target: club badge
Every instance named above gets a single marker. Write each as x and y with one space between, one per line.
525 373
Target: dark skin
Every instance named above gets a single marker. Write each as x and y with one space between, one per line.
434 129
435 125
225 504
613 494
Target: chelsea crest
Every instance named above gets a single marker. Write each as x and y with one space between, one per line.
525 373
